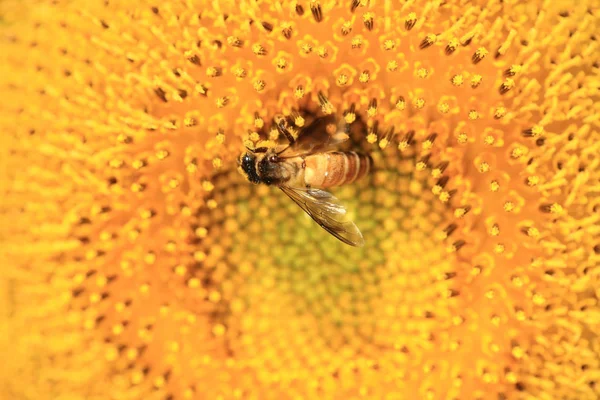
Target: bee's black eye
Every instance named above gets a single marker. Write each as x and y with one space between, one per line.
273 158
249 167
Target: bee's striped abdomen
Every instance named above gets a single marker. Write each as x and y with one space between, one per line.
335 169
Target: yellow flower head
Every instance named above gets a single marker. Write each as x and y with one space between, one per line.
136 262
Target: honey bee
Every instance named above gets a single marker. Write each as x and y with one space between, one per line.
307 165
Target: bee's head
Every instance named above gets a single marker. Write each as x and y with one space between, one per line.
247 166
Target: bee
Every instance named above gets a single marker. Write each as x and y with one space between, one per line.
306 166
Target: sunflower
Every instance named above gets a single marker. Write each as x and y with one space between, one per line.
138 263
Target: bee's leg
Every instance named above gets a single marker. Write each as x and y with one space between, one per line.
283 130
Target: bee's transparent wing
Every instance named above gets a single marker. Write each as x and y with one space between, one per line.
326 210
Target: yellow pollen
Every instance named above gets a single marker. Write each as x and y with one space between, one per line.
254 136
234 41
368 20
537 130
452 45
556 209
159 382
457 80
306 48
533 232
495 230
460 212
342 80
259 85
122 138
218 330
389 45
190 121
533 180
429 40
517 281
518 352
213 72
322 51
181 270
222 102
421 166
357 43
208 186
476 80
299 92
444 197
240 73
346 28
400 104
173 183
514 70
162 154
214 296
518 152
480 53
422 73
116 163
410 20
392 66
499 112
258 49
364 77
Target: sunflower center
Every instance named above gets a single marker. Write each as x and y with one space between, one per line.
299 285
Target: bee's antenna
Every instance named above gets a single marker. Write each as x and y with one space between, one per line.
286 147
